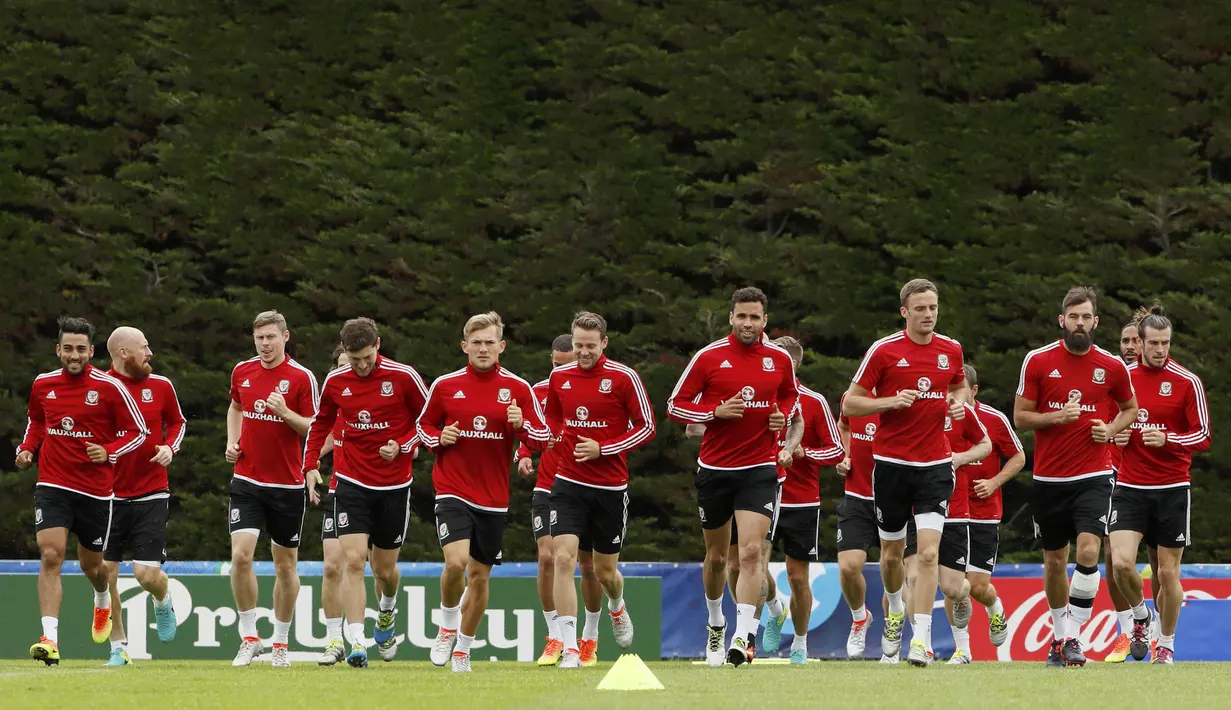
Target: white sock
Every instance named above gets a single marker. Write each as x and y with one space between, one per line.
961 639
715 609
923 629
387 603
859 614
800 643
774 606
451 617
1167 642
333 629
51 629
895 602
247 624
1126 621
463 643
1059 622
282 631
590 632
553 631
745 620
1141 611
615 605
119 644
357 639
160 603
568 632
102 600
996 607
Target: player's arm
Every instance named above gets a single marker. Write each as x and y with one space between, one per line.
534 432
320 429
235 425
794 433
174 419
858 401
640 416
832 450
1027 418
684 405
431 422
127 419
844 436
415 398
300 417
1004 441
1197 437
975 434
36 429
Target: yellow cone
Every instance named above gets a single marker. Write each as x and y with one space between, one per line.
630 673
1147 572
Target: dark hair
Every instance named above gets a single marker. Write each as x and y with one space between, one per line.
359 333
972 375
337 352
75 326
749 294
1079 295
1156 319
563 343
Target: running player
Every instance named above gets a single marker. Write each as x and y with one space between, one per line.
602 412
1152 495
1064 388
918 374
540 520
334 566
142 492
378 401
471 422
986 477
273 399
857 525
74 414
742 388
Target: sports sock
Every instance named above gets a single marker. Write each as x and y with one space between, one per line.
745 620
895 602
996 607
923 629
333 629
590 632
859 614
463 643
51 629
102 600
282 631
568 632
357 639
715 608
247 624
553 632
615 605
450 617
1126 621
1167 642
119 644
774 606
800 643
387 603
1141 612
1059 623
961 639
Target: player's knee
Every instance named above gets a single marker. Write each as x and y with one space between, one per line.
715 560
927 558
146 576
1169 574
51 556
797 578
241 559
848 568
94 570
979 588
332 568
547 559
1055 564
477 576
566 563
455 567
750 557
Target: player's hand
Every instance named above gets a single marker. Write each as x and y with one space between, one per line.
1099 431
233 453
957 410
526 467
731 409
903 399
1123 437
777 420
24 459
586 450
312 479
390 450
514 413
844 466
1153 437
1071 410
276 403
96 453
985 488
785 458
162 455
448 435
799 451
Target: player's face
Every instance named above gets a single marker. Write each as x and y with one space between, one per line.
588 346
74 351
1130 344
137 356
921 311
559 358
1079 323
362 362
748 322
484 348
270 342
343 361
1156 347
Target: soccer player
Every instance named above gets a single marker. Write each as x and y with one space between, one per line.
986 477
856 523
273 399
142 492
472 421
742 388
378 401
334 567
74 415
799 517
1152 495
918 374
1065 388
540 519
601 412
970 442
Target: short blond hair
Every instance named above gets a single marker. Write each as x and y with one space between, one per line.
915 286
482 321
265 318
590 321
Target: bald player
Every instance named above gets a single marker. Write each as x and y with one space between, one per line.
142 493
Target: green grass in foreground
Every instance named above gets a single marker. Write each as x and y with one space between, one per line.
988 686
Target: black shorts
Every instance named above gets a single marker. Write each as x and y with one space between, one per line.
796 532
278 511
329 525
721 493
984 547
773 520
86 517
139 527
1062 511
1161 515
456 521
901 492
954 546
381 515
857 524
540 514
597 516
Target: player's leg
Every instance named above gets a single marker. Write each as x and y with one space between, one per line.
92 526
1173 599
1091 506
247 519
545 576
891 501
148 538
1171 530
332 571
1124 611
981 563
486 536
771 639
799 531
1124 546
953 557
716 506
1054 528
608 526
454 528
388 533
52 544
119 641
355 517
1156 592
284 515
930 527
569 523
592 600
754 503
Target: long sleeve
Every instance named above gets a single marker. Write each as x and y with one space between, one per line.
788 393
640 414
320 428
830 452
431 421
36 423
129 420
1197 437
684 405
173 418
416 399
534 434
